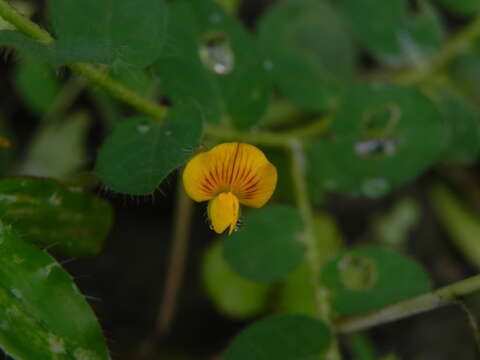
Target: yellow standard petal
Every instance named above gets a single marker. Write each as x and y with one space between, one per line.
239 168
223 212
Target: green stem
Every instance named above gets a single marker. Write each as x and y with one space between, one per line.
433 300
23 24
146 106
472 321
322 295
267 138
460 43
90 72
68 94
120 91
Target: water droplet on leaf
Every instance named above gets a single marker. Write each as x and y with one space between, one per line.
215 18
17 293
216 54
377 147
268 65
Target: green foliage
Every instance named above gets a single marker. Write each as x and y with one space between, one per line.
37 84
465 70
393 36
114 35
367 279
281 160
376 128
141 152
269 247
232 294
190 68
26 45
460 221
308 52
49 214
286 337
361 347
213 61
137 79
44 315
461 7
296 294
463 127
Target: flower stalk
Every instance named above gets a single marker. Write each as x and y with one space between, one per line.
447 295
322 295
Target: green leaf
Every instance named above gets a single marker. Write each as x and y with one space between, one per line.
376 128
460 222
58 150
465 71
284 190
27 45
425 34
308 51
391 34
44 316
63 218
461 7
463 123
231 294
131 33
231 6
268 247
362 348
37 84
135 79
141 152
219 64
282 337
366 279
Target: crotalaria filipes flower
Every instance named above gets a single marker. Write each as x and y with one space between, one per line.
228 175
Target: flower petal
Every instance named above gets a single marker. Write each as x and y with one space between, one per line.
234 167
223 212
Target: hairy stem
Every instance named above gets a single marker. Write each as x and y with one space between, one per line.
90 72
433 300
322 296
23 24
120 91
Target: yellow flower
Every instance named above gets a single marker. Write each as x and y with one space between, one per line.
228 175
